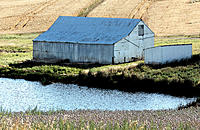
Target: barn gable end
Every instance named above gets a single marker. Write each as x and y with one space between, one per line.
133 45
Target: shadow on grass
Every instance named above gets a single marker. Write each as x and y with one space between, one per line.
135 84
64 63
31 63
110 80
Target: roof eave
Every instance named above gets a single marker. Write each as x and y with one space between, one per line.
90 43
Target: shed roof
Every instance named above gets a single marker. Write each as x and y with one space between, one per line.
88 30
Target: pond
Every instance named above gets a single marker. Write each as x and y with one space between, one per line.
21 95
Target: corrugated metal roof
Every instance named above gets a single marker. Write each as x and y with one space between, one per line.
88 30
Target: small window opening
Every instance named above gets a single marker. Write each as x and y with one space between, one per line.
141 30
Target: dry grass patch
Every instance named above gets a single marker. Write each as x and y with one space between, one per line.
36 15
115 8
174 17
87 119
194 40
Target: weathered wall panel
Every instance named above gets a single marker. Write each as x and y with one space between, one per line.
124 51
73 52
163 54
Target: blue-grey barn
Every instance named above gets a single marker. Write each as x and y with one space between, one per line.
93 40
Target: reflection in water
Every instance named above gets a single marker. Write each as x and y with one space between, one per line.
21 95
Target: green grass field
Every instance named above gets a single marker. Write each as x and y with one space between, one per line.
16 50
15 56
160 41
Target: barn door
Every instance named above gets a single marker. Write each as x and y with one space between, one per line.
141 48
117 56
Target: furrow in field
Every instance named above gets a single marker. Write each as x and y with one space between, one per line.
91 7
174 17
27 16
11 8
135 10
140 14
37 16
115 8
164 17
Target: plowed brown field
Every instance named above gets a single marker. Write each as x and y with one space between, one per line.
174 17
115 8
164 17
24 16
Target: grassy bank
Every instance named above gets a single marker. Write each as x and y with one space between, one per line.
16 48
180 79
86 119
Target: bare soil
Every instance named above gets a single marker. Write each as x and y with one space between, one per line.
22 16
164 17
115 9
174 17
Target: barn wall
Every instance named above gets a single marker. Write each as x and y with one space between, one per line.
124 51
133 46
163 54
92 53
143 42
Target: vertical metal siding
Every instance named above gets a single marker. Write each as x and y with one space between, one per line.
124 51
92 53
163 54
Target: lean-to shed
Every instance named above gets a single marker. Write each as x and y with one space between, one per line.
93 40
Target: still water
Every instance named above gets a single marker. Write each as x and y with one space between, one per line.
20 95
